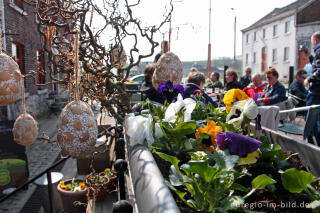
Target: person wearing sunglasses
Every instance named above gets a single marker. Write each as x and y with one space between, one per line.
297 88
274 92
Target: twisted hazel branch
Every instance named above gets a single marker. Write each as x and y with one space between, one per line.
98 81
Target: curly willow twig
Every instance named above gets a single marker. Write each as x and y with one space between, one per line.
58 22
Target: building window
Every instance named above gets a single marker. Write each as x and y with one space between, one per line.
287 27
18 3
247 58
275 30
255 36
247 38
254 57
17 54
274 55
286 54
40 64
264 33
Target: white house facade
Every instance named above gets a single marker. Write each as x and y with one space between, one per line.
276 39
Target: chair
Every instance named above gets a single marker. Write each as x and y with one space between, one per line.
311 120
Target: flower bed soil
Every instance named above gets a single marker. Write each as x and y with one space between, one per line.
262 200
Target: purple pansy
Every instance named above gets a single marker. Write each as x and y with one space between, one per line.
255 98
169 92
259 121
237 144
237 115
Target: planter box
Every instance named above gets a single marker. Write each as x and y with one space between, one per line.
151 192
152 195
308 153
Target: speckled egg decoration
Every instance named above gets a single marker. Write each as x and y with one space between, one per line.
77 130
25 130
168 67
115 61
10 80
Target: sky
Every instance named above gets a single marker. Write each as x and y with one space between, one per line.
190 24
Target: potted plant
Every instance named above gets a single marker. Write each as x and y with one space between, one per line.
73 193
100 184
228 167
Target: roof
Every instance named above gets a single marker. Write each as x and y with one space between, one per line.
279 13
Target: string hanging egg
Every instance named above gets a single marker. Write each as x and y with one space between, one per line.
168 67
77 130
25 130
10 78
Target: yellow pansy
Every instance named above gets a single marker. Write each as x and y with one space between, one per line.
232 96
67 187
211 129
106 170
250 159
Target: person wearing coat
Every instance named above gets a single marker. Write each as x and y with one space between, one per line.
274 92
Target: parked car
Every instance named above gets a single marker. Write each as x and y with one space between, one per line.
137 79
133 84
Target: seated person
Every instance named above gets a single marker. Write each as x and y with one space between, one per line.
213 82
232 80
297 88
274 92
256 87
194 86
246 79
148 91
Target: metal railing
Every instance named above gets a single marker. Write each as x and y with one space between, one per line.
47 171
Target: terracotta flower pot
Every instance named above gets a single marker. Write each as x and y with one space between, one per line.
99 191
113 181
68 198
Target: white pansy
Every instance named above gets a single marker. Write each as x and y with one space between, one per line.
173 109
248 109
139 129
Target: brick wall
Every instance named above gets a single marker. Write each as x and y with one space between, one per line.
22 29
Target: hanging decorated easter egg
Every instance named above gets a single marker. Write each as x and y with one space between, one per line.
77 130
25 130
118 57
168 67
10 80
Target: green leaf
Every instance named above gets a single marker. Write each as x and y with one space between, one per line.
296 181
231 202
204 135
261 181
171 159
186 169
238 187
174 176
179 193
224 159
227 127
184 128
314 204
203 169
188 145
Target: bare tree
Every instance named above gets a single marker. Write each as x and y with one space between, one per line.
101 47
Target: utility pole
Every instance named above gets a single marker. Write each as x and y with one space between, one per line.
234 39
209 45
